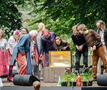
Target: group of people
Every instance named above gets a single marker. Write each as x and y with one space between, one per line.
32 48
97 41
28 49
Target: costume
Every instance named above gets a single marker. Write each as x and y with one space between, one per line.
3 58
40 62
47 45
105 38
93 39
80 40
10 47
22 49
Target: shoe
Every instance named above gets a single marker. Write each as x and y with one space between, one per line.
10 78
76 72
41 78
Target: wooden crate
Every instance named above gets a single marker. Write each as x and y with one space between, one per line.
51 75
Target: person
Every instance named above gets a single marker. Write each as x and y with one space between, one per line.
3 59
94 41
105 39
24 31
40 60
101 28
36 85
81 47
21 54
61 45
12 41
47 44
101 31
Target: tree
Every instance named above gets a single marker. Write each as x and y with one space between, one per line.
10 17
61 15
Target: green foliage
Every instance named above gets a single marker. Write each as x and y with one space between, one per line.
10 18
60 15
72 77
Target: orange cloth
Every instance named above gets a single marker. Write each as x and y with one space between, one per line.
95 57
23 64
37 58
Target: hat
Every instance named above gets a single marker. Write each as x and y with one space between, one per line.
16 32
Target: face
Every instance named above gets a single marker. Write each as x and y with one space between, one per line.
85 32
17 37
81 31
47 36
58 41
102 27
75 32
24 31
98 25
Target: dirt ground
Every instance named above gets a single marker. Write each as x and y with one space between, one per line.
43 84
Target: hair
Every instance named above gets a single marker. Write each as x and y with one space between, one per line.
33 32
36 85
55 45
74 27
82 27
102 22
43 25
26 30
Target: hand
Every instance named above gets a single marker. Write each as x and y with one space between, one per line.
94 47
34 42
32 54
41 57
24 57
91 49
77 47
80 47
64 48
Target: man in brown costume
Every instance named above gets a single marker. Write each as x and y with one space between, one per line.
94 41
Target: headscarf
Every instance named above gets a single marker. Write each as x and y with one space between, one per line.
46 32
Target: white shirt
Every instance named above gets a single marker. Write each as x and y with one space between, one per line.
101 33
11 44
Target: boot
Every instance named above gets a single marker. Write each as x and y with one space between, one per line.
10 78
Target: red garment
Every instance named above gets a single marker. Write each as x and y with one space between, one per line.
3 63
23 64
9 56
37 57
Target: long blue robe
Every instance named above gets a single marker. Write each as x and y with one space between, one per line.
23 46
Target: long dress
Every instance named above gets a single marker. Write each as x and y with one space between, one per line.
22 48
3 59
10 47
39 50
